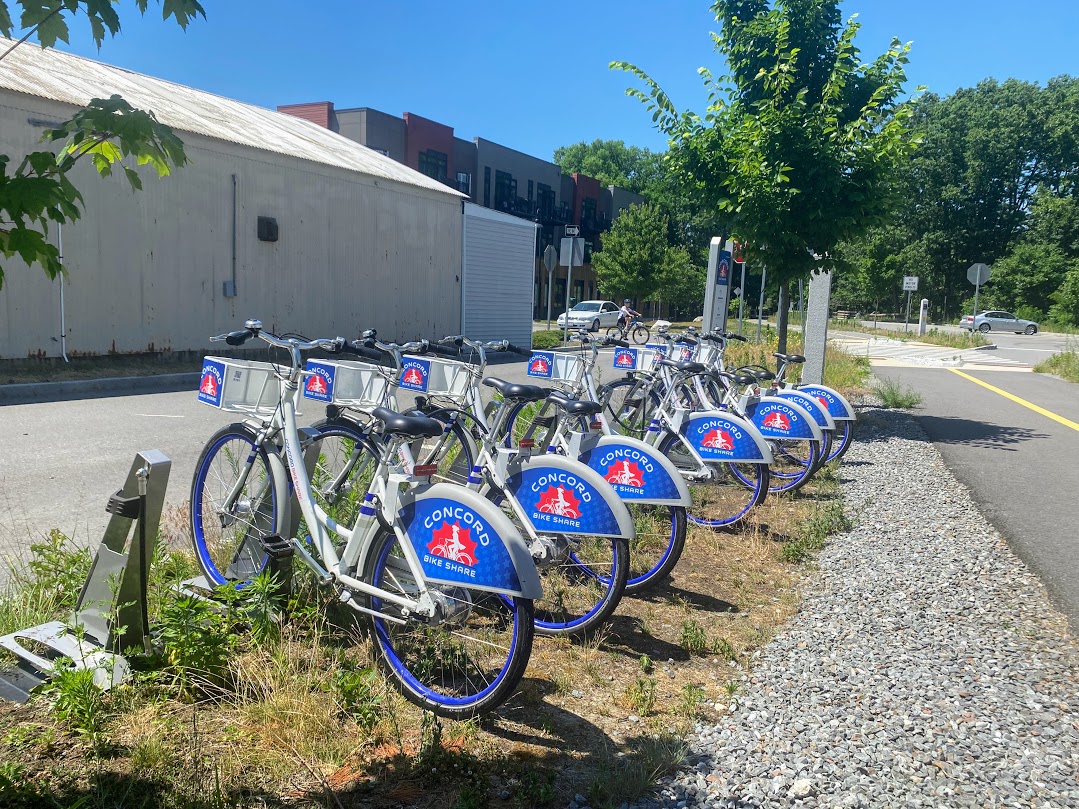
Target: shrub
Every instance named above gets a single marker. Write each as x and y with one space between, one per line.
546 339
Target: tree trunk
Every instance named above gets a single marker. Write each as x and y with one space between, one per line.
781 315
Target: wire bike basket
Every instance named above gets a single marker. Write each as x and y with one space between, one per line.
347 383
240 386
556 366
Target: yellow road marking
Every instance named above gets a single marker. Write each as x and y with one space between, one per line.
1017 400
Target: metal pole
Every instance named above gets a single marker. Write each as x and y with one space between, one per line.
976 288
742 300
801 306
760 306
63 322
906 323
569 280
550 284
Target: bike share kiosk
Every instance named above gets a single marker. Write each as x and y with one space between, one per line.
111 613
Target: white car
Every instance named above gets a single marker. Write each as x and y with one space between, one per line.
591 315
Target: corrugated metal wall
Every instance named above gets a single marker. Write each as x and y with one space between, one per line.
499 266
146 269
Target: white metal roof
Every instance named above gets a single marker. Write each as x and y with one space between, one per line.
75 80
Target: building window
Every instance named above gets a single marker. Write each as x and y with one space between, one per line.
545 200
588 213
434 164
486 186
505 191
464 182
530 190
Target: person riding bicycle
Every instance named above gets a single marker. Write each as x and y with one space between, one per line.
626 315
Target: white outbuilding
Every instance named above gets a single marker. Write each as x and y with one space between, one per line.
275 218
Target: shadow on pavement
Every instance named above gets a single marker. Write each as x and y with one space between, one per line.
952 430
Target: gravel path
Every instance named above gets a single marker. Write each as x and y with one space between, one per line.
926 667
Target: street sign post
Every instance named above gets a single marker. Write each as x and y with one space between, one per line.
910 284
571 252
550 261
977 274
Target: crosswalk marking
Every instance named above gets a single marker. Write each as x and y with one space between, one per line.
921 354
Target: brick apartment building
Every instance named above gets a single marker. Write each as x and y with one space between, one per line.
496 177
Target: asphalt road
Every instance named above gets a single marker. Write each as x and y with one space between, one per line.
60 461
1018 463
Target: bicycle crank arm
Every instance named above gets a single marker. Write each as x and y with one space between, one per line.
324 577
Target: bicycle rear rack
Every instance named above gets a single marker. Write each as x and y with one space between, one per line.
111 614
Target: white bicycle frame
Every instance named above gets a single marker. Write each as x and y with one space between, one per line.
665 419
497 461
386 485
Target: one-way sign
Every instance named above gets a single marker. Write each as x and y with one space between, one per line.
573 230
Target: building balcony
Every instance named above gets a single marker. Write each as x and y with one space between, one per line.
595 223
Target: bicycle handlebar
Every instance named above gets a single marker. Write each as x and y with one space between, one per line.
253 328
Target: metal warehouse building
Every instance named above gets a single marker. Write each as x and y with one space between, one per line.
348 238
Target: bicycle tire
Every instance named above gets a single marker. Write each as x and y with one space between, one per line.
729 497
457 668
517 423
451 451
793 464
640 334
227 545
614 331
651 559
342 469
582 589
634 418
841 442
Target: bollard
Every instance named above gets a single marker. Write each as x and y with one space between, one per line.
923 316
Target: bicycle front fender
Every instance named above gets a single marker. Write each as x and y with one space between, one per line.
637 472
563 496
818 411
462 538
839 408
719 436
777 417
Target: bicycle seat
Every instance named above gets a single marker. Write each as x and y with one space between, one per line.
687 367
743 379
511 390
763 374
792 358
412 426
574 407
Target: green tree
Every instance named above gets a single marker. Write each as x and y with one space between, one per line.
37 191
612 163
681 284
635 253
800 144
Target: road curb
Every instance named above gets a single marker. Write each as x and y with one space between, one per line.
37 392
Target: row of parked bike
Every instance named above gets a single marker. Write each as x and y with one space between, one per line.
460 528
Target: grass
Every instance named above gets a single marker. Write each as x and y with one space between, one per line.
897 395
301 716
934 336
1065 364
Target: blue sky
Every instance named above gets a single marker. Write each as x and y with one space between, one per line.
534 75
